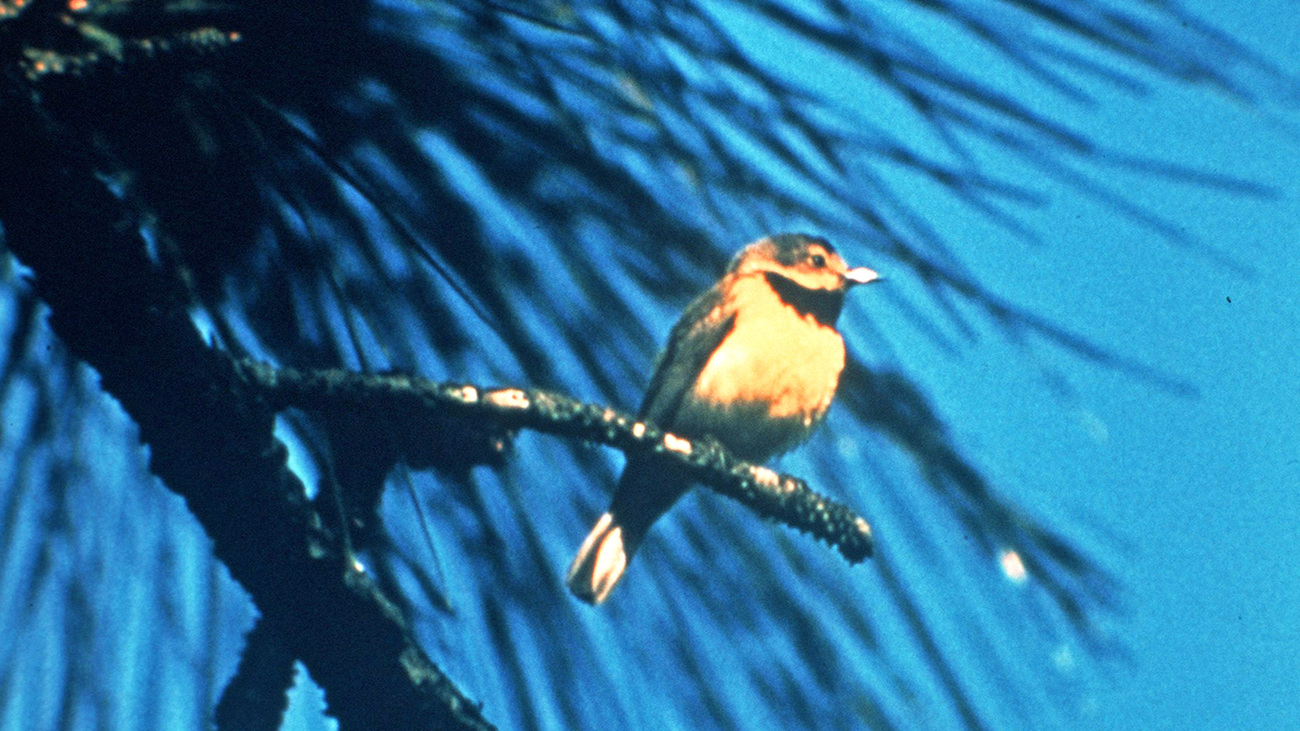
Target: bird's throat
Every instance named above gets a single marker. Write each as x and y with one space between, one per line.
823 304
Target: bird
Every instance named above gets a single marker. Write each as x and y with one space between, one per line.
753 362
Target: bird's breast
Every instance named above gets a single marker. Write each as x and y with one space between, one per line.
770 380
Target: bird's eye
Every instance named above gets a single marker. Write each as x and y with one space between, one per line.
818 261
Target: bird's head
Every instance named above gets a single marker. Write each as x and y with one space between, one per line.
805 271
806 261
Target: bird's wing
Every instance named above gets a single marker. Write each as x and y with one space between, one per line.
693 339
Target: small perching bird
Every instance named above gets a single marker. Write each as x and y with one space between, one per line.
753 362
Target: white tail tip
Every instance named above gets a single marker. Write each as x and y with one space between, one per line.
600 562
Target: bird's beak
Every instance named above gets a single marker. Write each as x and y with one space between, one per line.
861 275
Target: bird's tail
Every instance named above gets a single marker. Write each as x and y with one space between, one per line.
601 561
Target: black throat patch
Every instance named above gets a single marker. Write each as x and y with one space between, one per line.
823 304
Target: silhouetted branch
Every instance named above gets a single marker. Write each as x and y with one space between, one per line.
210 437
256 698
412 400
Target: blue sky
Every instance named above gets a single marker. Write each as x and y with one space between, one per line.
1189 486
1199 492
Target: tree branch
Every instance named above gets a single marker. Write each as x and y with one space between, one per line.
414 400
209 433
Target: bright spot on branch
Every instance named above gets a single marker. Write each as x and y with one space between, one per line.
465 394
863 526
509 398
677 444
